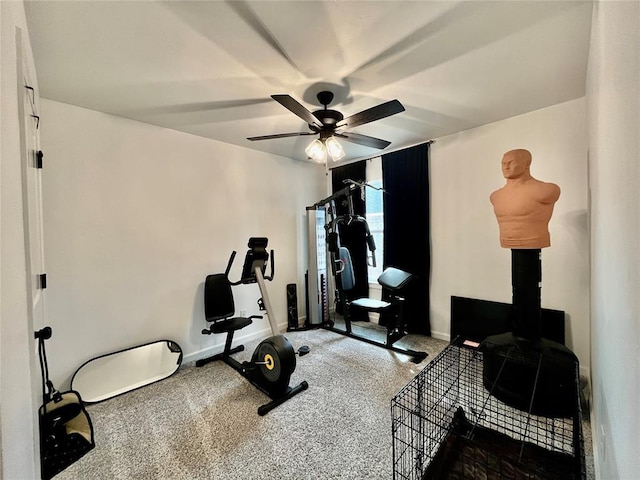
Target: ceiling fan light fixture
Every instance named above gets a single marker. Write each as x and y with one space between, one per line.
316 151
325 122
334 148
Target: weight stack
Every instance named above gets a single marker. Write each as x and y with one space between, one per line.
292 306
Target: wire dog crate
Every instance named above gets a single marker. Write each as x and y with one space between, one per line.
446 425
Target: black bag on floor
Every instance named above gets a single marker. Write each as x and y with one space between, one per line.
66 432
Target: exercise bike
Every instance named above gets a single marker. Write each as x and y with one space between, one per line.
274 359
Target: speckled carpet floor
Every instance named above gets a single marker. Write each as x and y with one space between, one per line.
201 423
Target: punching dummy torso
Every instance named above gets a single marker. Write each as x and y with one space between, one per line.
523 207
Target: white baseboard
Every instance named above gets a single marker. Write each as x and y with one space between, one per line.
441 336
266 332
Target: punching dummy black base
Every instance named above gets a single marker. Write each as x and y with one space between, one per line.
522 369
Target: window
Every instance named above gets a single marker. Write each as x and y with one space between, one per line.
375 219
375 215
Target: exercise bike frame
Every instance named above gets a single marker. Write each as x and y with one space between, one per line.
250 370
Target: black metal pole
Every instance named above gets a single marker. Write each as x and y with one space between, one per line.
526 276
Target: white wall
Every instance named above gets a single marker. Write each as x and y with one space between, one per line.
18 401
467 259
135 217
613 99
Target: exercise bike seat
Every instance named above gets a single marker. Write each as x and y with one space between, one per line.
230 324
219 306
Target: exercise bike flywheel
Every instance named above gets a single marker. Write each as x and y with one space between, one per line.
275 359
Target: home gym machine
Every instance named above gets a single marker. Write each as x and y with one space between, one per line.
329 262
274 360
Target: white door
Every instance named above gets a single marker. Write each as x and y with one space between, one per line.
32 185
29 114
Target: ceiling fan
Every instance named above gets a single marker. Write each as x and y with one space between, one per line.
329 124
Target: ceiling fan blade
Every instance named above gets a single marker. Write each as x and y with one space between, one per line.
287 101
372 114
364 140
280 135
249 15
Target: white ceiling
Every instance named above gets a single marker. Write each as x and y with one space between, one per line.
209 67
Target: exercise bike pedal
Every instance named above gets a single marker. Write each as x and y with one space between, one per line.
245 367
303 350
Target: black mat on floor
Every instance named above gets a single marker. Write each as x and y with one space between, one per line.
482 453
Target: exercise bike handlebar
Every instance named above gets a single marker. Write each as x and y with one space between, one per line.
272 267
229 263
251 277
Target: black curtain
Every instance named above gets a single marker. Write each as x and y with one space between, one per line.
354 171
353 234
405 178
